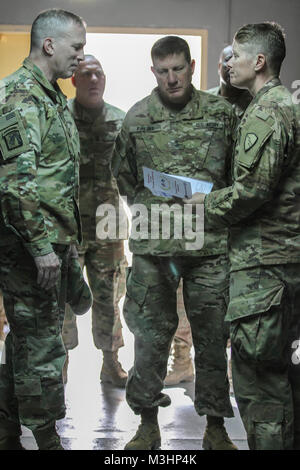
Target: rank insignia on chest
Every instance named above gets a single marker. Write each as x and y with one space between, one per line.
250 140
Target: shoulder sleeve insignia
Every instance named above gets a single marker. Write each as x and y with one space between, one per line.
250 140
13 138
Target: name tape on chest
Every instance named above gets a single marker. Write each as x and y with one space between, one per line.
150 128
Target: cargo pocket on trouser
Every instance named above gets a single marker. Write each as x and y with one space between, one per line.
40 393
259 315
266 428
29 395
134 300
40 400
150 308
258 324
153 337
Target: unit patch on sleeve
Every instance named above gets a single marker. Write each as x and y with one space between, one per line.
250 140
13 138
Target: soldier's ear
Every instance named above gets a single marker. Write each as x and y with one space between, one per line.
193 66
48 46
260 62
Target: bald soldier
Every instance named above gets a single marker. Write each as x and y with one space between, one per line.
261 207
39 227
99 123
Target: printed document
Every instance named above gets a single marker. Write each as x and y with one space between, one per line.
163 184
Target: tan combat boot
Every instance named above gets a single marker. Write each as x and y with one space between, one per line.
182 368
147 436
112 371
47 438
215 436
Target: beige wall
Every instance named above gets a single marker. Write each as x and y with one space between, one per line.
14 47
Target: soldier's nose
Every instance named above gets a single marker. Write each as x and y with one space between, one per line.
172 77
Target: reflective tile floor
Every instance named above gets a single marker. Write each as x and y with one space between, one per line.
98 417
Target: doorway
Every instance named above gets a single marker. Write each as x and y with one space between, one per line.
124 54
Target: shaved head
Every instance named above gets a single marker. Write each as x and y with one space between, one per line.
89 80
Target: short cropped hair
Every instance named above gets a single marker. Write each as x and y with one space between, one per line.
267 38
170 45
51 23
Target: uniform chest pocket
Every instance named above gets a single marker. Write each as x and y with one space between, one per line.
195 146
167 151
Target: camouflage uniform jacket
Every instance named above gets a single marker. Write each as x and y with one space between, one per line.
239 102
39 163
263 204
195 142
97 185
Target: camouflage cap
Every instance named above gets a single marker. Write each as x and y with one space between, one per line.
79 295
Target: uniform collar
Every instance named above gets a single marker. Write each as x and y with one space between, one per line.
53 90
159 112
267 86
81 113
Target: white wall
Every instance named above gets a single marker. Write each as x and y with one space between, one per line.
126 61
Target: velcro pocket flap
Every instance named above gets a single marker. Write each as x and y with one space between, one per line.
254 302
135 290
267 412
28 386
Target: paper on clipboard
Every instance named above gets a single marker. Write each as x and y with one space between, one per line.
166 185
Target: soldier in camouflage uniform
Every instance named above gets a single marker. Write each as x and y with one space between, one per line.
239 100
98 123
39 221
181 368
2 319
262 209
186 132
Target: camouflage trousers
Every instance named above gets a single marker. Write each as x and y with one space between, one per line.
31 386
265 333
150 311
105 266
183 333
2 318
